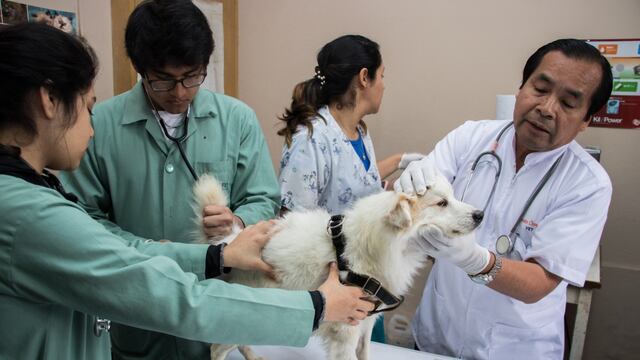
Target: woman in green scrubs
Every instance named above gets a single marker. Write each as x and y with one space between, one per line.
60 271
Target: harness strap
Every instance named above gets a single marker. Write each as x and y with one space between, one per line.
334 228
370 285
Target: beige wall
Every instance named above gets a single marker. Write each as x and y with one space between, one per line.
95 24
445 62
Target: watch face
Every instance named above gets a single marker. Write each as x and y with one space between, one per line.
503 244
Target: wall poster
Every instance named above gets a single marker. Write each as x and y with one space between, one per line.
14 12
622 111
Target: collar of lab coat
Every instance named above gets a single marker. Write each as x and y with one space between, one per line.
534 157
138 109
337 130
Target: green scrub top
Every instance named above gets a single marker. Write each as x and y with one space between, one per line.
134 181
59 269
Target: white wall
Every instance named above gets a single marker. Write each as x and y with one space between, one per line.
445 62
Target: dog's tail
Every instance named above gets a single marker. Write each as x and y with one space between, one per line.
207 191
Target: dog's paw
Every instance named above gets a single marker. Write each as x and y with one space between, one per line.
248 353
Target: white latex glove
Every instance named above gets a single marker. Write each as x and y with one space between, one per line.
416 177
462 251
408 158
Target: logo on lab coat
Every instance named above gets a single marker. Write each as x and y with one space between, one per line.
529 225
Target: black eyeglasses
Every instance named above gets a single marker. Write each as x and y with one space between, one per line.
187 82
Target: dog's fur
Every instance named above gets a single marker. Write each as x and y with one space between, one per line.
378 243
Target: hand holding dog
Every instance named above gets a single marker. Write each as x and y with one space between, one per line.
415 179
245 251
462 251
343 303
218 221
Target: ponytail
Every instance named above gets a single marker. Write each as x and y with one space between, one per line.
339 62
305 102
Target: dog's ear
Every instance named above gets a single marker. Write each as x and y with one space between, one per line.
401 215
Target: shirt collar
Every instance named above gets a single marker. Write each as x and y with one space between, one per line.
137 108
534 157
333 124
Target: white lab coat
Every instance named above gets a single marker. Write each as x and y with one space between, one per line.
561 231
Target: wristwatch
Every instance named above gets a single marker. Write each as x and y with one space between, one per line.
485 279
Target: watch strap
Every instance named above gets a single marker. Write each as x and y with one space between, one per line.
485 279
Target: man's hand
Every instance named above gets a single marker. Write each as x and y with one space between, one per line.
343 303
408 158
415 179
218 221
462 251
245 251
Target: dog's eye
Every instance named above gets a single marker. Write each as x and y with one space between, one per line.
443 203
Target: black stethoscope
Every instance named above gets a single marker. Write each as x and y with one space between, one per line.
175 140
505 243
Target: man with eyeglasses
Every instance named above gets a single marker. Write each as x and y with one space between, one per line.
133 178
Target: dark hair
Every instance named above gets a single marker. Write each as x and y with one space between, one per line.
338 63
578 50
35 56
167 32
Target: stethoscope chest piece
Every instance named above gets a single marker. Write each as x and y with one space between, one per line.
504 245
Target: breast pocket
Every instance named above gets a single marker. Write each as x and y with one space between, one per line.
222 170
534 344
522 242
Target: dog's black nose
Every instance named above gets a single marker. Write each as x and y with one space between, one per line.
477 216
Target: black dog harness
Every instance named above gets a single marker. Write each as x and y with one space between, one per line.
369 284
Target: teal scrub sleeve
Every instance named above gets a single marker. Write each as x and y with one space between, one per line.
93 196
96 201
63 256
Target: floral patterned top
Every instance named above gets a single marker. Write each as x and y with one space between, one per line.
324 170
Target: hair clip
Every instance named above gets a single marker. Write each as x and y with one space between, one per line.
319 76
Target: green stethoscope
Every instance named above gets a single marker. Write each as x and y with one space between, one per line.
505 243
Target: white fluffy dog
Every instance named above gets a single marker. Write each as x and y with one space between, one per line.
378 243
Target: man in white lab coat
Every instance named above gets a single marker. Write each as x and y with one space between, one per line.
491 298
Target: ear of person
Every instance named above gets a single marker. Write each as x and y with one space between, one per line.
48 102
363 77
